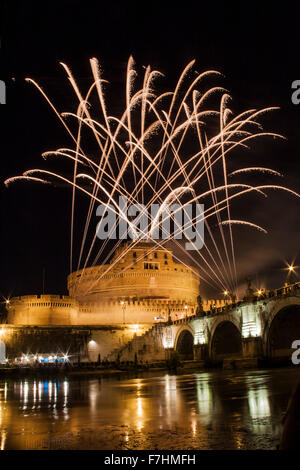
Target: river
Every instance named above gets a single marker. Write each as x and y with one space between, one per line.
214 409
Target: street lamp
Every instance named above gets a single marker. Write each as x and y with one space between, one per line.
291 269
6 302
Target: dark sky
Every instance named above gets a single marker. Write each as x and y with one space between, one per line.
254 45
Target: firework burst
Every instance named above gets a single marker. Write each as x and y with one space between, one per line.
164 148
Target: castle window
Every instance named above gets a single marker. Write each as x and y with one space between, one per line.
134 254
166 256
166 262
151 266
155 254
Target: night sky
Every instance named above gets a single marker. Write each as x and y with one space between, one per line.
253 45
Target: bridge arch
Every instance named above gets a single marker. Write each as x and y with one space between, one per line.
225 338
184 343
282 328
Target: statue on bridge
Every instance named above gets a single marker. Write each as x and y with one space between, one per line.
249 291
199 308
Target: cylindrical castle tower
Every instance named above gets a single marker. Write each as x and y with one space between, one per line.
142 279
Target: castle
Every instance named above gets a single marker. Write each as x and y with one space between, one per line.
107 306
140 285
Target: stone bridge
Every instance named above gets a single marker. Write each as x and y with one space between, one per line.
260 327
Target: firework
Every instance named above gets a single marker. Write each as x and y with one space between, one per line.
163 148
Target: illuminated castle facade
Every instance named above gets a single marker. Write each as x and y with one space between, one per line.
140 285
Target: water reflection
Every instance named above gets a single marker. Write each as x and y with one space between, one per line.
42 392
204 399
93 394
209 410
139 406
171 398
2 440
259 405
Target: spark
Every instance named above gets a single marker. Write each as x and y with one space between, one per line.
256 169
13 179
243 222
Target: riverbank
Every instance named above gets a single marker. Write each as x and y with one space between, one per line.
87 370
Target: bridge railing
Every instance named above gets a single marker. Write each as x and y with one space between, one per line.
288 289
280 292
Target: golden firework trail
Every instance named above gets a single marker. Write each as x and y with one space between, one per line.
165 148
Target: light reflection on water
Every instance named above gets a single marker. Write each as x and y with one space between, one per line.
205 410
259 405
204 400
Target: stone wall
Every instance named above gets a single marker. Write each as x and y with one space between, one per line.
105 340
131 311
148 347
38 310
85 343
44 340
47 310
